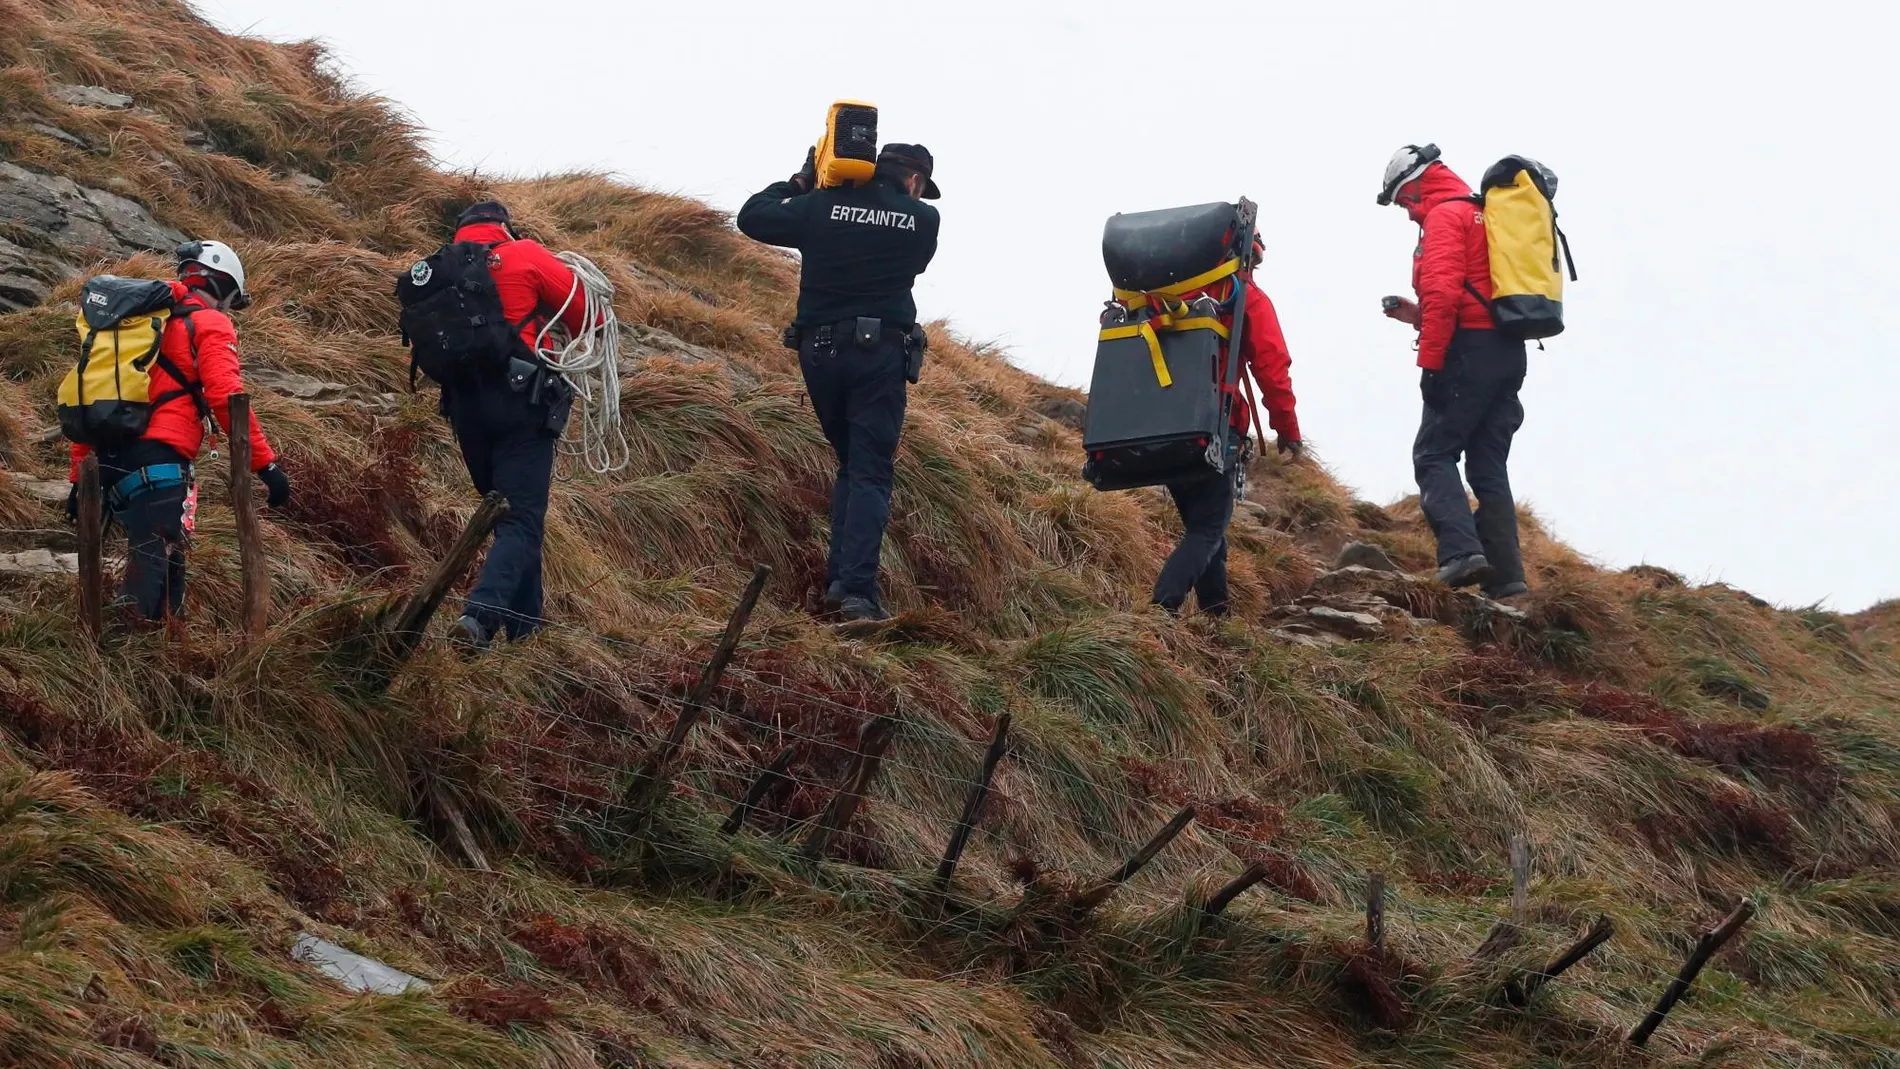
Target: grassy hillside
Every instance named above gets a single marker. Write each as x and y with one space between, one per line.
176 807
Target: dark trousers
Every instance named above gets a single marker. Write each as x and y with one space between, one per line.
508 446
157 528
1199 561
1472 411
157 522
858 395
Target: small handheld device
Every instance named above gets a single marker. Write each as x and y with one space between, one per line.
1389 303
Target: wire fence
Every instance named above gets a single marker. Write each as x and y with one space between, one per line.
577 766
718 773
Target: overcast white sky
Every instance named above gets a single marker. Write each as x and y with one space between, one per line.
1723 404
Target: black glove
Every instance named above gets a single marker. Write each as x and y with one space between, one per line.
807 177
72 504
1289 445
279 484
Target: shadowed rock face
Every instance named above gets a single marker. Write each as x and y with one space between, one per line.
51 226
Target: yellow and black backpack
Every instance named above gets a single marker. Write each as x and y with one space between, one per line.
106 400
1520 225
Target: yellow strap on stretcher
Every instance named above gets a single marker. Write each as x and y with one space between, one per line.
1146 331
1198 282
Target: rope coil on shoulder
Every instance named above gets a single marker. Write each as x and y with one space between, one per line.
590 362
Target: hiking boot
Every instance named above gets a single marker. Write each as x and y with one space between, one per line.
834 597
1469 570
856 608
1507 591
470 636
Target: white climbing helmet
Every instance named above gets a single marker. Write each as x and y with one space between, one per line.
1404 168
219 257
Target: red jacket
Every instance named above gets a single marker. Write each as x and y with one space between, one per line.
1266 356
177 422
532 281
1452 253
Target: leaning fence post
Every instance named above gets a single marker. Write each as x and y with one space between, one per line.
769 777
405 634
873 740
1521 989
255 570
92 579
1705 948
1254 873
649 781
1107 885
457 827
973 803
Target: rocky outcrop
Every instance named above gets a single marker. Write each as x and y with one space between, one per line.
1364 555
53 226
1342 617
640 343
35 562
319 394
88 96
1069 411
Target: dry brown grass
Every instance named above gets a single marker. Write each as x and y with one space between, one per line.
174 808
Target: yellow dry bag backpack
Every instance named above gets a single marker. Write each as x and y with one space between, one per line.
847 154
106 400
1520 224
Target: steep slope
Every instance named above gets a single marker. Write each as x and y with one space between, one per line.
177 807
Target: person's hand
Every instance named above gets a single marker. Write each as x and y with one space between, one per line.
274 478
807 177
1402 309
1289 446
72 504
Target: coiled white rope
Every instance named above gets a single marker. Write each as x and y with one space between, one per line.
590 362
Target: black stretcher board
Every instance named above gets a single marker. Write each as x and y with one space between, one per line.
1140 433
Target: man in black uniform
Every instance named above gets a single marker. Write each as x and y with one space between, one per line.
858 339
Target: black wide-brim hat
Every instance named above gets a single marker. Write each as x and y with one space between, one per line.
912 157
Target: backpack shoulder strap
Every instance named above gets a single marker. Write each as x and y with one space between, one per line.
187 386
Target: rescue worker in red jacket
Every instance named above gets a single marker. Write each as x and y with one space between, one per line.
508 425
149 484
1206 504
1471 378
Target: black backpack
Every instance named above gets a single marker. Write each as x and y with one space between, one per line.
452 319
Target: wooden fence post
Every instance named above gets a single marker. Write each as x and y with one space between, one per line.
649 782
255 616
1505 934
873 739
456 826
1254 873
1375 913
92 579
1107 885
1519 990
768 777
405 634
1705 948
973 803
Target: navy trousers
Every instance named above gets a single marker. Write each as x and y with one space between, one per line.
508 445
858 395
1472 411
1199 561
